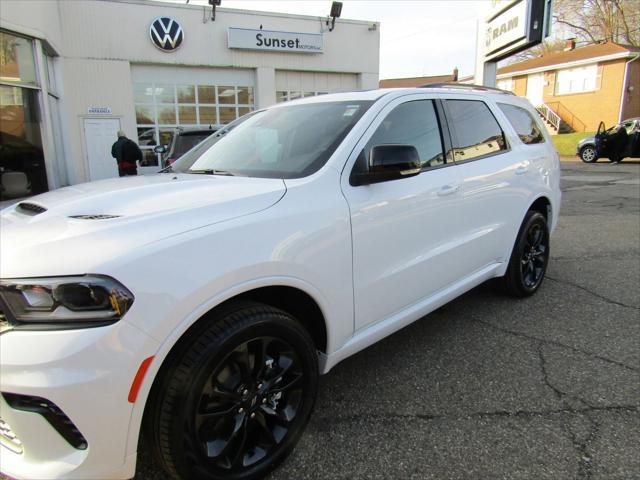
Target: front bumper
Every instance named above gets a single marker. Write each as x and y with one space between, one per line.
87 374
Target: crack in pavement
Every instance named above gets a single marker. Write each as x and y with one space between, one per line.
591 292
586 459
558 344
325 423
614 254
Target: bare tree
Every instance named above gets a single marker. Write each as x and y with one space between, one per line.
549 45
592 21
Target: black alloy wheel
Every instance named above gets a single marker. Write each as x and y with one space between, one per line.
249 404
534 256
234 397
529 258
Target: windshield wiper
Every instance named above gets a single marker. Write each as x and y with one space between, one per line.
211 171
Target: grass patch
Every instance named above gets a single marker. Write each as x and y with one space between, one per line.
566 143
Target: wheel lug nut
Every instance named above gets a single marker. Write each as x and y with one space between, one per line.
244 392
259 385
253 415
264 400
240 410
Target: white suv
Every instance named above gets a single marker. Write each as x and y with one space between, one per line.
200 307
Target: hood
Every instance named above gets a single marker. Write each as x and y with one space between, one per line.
74 229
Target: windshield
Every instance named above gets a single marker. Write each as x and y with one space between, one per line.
182 164
286 142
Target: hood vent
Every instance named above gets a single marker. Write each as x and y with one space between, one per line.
94 217
30 208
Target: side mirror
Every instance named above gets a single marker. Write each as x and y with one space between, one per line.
160 149
388 162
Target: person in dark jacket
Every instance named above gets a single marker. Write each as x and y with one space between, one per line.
618 144
126 153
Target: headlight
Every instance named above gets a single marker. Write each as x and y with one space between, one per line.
86 300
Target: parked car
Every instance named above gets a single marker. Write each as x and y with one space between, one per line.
202 306
603 143
183 140
184 162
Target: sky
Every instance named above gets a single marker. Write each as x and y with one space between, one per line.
417 38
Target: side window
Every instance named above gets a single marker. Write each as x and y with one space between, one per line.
476 132
412 123
523 123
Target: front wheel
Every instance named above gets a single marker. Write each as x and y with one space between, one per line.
588 154
529 257
234 398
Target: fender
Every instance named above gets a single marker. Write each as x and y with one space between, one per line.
551 215
180 329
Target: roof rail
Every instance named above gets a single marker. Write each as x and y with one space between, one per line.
464 86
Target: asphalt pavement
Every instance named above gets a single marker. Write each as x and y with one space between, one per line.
490 387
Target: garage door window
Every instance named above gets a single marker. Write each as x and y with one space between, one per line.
161 108
286 95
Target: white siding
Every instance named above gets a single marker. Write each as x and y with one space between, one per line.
315 81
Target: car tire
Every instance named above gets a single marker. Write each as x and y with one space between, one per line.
233 399
588 154
529 257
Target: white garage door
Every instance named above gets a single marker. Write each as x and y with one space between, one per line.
291 84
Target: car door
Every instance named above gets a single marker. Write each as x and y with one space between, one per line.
494 174
404 232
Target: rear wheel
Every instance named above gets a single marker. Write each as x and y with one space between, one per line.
233 402
588 154
529 258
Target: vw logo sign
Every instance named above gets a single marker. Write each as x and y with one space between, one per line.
166 34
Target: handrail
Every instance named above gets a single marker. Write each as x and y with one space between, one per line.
552 117
568 116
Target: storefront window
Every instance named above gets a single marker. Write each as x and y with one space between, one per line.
186 93
144 115
22 170
208 115
227 114
22 167
16 60
187 115
226 95
206 94
163 108
143 93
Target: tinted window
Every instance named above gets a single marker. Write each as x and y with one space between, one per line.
476 132
523 123
412 123
290 141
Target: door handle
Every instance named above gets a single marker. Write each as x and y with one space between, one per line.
522 169
448 190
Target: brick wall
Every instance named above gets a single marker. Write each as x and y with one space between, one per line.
590 108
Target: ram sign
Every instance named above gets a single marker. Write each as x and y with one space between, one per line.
513 26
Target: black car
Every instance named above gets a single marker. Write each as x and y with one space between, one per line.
181 142
618 142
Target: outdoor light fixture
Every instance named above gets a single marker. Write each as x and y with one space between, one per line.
214 4
336 10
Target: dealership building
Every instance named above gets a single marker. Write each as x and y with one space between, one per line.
74 73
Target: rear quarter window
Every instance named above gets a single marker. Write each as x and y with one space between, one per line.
523 123
475 131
